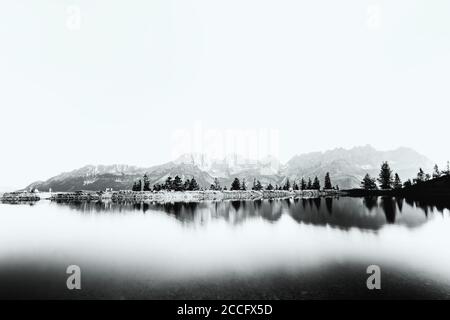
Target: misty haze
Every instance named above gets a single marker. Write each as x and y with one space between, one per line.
219 150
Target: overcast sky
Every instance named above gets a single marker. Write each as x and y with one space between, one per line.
103 82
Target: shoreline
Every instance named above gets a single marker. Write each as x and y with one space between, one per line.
184 196
167 196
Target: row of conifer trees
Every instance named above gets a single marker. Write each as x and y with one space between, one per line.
387 180
177 184
302 185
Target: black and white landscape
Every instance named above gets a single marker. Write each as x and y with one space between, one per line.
221 150
347 167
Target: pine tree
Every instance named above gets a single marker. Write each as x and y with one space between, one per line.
420 176
407 183
287 185
397 182
368 183
436 172
309 186
316 184
328 184
217 184
177 184
385 177
168 183
136 186
193 185
295 186
243 185
302 184
254 184
187 183
236 185
269 187
146 183
258 186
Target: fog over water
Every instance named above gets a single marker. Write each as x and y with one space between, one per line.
166 245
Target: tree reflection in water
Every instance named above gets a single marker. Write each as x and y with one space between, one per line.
389 207
370 213
329 204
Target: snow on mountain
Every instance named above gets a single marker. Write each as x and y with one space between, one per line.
346 167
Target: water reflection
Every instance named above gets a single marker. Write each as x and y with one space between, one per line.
370 202
389 207
228 249
329 204
365 213
19 202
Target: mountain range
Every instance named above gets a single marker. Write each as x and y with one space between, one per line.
346 167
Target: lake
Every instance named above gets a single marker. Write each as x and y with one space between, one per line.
264 249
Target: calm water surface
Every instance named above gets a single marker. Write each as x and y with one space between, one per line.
280 249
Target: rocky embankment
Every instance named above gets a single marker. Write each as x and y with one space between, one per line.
187 196
20 196
165 196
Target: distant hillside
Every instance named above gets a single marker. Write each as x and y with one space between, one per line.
91 178
346 167
119 177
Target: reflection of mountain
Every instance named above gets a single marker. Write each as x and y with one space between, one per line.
346 167
369 213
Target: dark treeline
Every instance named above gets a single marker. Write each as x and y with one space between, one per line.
177 184
387 180
287 186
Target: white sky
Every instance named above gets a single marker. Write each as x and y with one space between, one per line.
323 74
